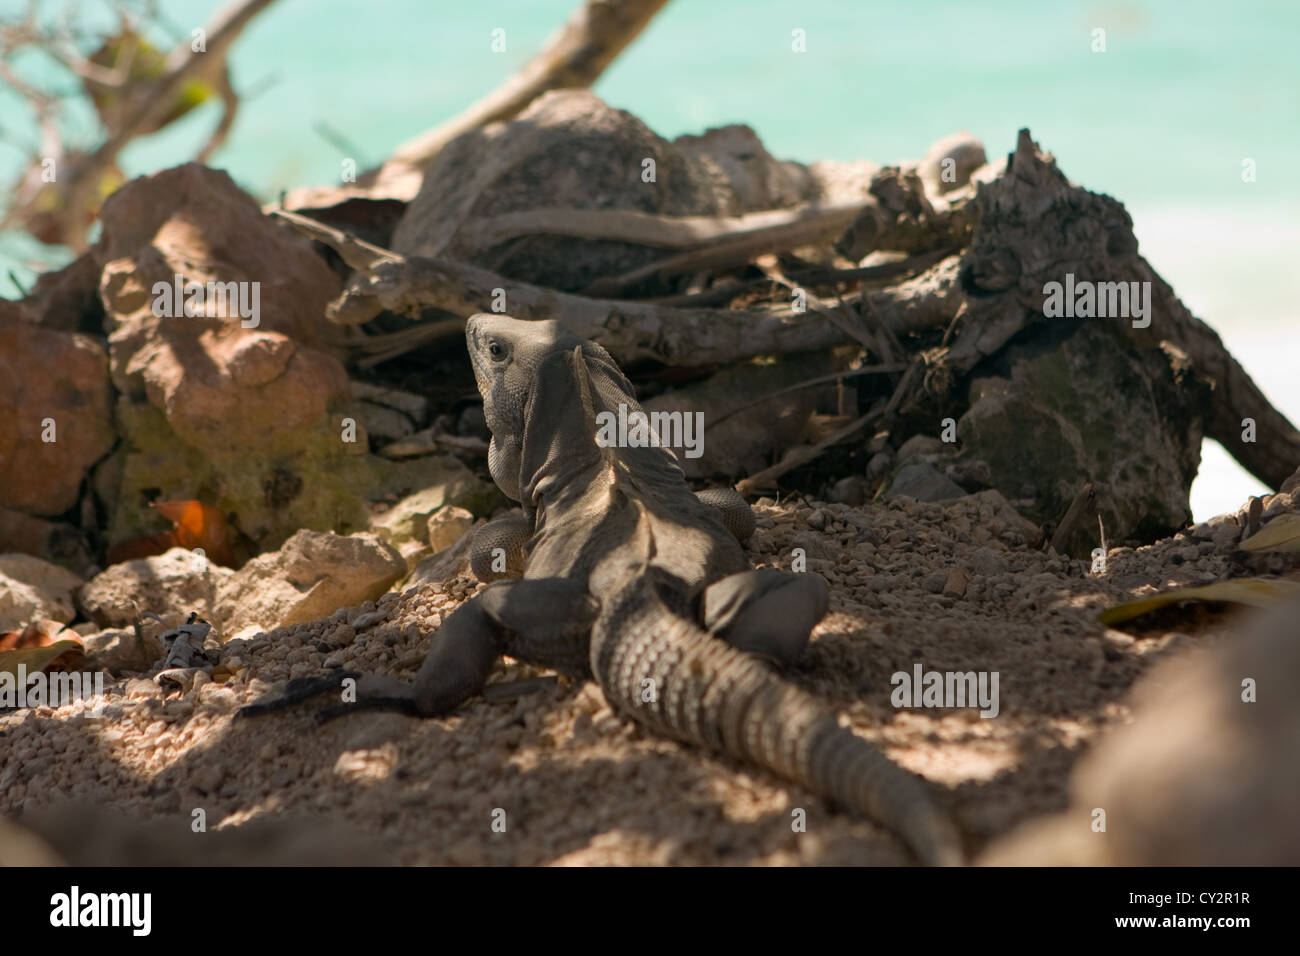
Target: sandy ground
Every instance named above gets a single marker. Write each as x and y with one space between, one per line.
553 777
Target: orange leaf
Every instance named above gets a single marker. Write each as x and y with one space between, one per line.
199 526
39 633
196 525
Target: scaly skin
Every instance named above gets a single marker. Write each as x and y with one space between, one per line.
651 658
617 571
707 693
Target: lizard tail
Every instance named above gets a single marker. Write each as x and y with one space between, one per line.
669 674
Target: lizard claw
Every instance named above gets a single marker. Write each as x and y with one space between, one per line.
295 692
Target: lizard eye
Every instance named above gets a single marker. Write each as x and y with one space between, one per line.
495 350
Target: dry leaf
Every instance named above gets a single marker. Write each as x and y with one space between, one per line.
1257 592
1280 534
195 525
39 633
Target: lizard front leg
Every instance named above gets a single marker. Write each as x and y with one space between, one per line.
768 612
544 621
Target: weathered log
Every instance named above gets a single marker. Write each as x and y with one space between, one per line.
1033 227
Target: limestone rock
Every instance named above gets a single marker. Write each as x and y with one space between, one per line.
195 221
310 577
447 526
31 589
53 541
120 651
254 419
949 162
176 582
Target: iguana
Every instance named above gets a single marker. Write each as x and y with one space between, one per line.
616 570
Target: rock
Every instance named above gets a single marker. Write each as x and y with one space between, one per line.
848 491
139 687
171 222
452 484
757 179
310 577
57 419
446 564
387 412
257 419
924 483
120 652
1074 404
955 585
447 526
987 563
570 150
1200 777
998 519
67 299
919 447
934 581
53 541
879 465
32 589
176 582
949 162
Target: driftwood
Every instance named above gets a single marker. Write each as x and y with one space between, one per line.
906 389
1084 501
1034 226
1016 233
800 227
783 228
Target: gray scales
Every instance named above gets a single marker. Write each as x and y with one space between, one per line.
617 571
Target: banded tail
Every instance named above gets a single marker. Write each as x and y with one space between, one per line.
708 693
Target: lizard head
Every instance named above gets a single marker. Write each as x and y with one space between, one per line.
507 355
526 374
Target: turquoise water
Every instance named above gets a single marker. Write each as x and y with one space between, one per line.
1162 120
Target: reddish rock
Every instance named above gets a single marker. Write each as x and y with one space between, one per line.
194 221
222 380
45 374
